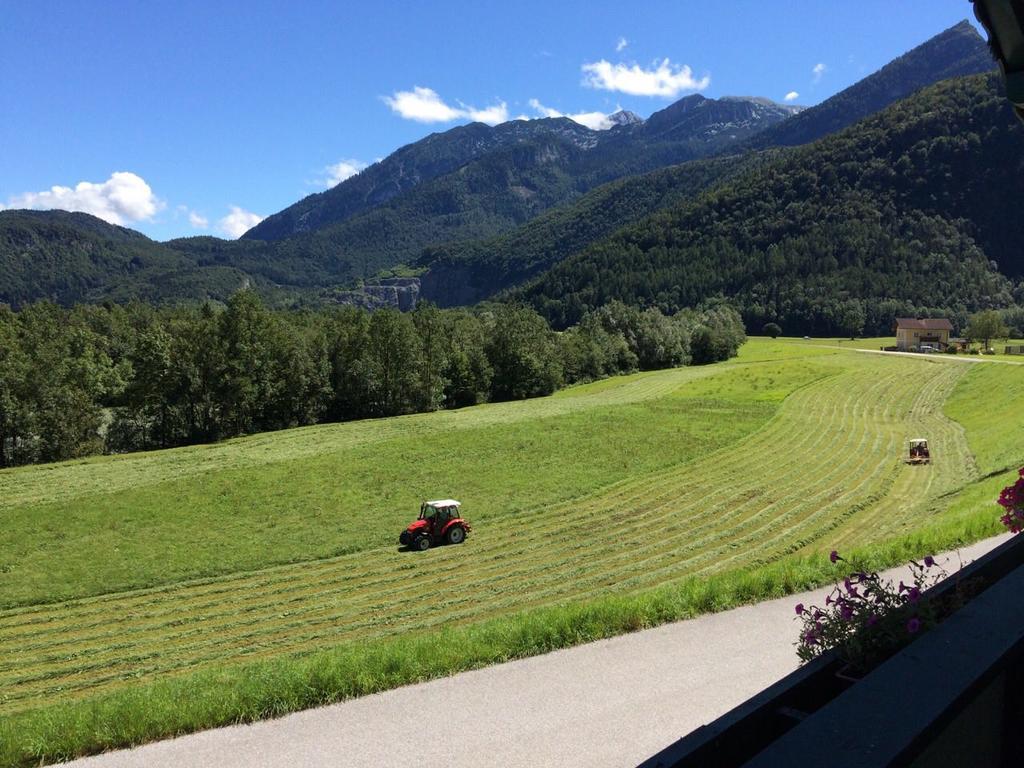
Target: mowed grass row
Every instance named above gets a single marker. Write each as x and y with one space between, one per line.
345 500
104 474
833 451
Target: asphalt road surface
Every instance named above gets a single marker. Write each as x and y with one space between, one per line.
609 703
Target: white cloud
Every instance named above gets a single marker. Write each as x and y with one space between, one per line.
238 222
123 198
545 111
341 170
818 71
595 121
425 105
198 220
662 79
491 115
792 96
621 45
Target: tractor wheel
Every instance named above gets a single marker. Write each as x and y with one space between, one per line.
422 543
456 534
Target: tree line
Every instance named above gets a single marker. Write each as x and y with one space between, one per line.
115 378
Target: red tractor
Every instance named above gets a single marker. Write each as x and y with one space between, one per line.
439 522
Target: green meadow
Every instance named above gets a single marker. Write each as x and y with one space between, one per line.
152 594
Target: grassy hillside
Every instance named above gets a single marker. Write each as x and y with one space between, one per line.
988 403
328 490
180 570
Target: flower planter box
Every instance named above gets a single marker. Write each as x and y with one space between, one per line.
954 697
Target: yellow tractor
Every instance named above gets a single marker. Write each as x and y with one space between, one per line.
919 453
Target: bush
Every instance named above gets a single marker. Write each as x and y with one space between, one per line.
772 329
951 349
866 618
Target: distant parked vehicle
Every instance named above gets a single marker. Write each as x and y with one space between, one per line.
439 522
927 349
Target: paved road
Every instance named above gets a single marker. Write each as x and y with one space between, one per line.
919 356
610 703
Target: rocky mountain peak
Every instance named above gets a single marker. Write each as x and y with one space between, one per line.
625 117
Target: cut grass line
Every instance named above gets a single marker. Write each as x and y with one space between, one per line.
248 692
598 574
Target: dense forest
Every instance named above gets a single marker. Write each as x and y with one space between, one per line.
906 212
468 271
113 378
74 257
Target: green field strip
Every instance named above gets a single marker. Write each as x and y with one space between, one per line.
917 487
609 576
84 517
551 517
149 596
45 483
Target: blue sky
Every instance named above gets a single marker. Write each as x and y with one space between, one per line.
198 117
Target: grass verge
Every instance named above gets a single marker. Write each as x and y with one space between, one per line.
245 693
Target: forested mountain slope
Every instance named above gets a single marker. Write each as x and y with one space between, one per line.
74 257
468 271
477 181
912 210
481 208
463 272
409 166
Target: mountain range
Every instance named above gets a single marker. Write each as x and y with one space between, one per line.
477 210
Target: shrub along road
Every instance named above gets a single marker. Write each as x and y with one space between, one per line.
610 703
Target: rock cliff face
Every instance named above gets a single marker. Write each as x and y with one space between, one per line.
713 120
399 293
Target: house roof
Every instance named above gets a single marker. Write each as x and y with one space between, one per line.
924 324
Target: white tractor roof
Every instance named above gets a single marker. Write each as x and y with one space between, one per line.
444 503
919 440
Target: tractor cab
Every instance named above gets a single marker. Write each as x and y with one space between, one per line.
918 452
439 522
